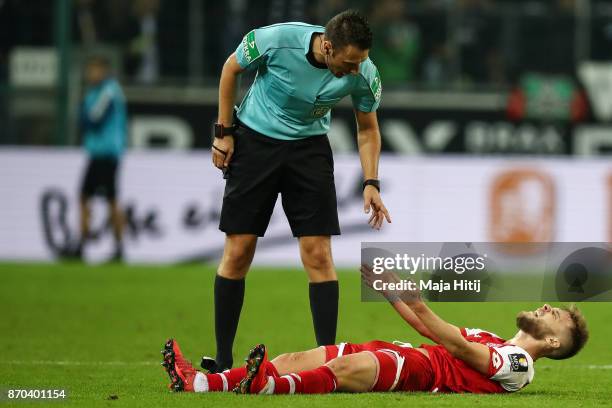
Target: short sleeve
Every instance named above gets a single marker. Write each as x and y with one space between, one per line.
366 97
252 50
511 367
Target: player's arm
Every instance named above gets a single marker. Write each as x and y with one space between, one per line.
394 299
224 148
368 142
475 355
413 320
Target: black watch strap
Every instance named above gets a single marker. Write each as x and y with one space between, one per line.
372 182
219 131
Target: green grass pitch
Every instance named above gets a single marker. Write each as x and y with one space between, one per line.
97 332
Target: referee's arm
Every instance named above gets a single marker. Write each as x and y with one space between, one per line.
227 97
368 141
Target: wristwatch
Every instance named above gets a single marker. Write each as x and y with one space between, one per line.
220 131
372 182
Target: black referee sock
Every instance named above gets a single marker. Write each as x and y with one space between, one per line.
229 294
324 308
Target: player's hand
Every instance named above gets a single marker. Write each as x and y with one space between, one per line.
389 277
372 204
368 277
222 151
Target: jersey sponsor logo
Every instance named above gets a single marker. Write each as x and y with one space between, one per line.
376 86
496 360
518 363
249 47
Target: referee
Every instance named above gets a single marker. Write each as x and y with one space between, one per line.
277 143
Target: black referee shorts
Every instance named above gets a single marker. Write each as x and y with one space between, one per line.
302 171
100 178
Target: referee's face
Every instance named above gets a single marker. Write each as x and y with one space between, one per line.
346 60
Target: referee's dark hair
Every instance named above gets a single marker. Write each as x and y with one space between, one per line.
349 28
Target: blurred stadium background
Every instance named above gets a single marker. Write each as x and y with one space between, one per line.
495 121
496 126
538 60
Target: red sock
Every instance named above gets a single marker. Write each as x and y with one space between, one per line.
228 379
318 381
224 381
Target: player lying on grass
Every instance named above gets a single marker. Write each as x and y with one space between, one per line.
463 360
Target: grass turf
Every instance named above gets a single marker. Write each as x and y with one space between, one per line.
96 331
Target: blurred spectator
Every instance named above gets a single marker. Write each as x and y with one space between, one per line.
281 11
436 66
100 21
396 41
86 24
104 126
142 61
436 55
244 16
321 11
244 19
435 42
478 40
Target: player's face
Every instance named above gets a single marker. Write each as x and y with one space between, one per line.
94 73
544 321
346 60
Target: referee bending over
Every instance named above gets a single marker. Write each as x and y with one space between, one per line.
278 144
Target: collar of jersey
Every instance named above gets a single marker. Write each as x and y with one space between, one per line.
316 29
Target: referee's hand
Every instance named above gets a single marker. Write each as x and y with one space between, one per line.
222 151
372 203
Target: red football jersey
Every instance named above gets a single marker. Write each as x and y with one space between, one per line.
510 367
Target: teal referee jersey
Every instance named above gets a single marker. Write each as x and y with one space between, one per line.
290 98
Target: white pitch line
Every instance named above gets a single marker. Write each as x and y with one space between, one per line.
588 366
